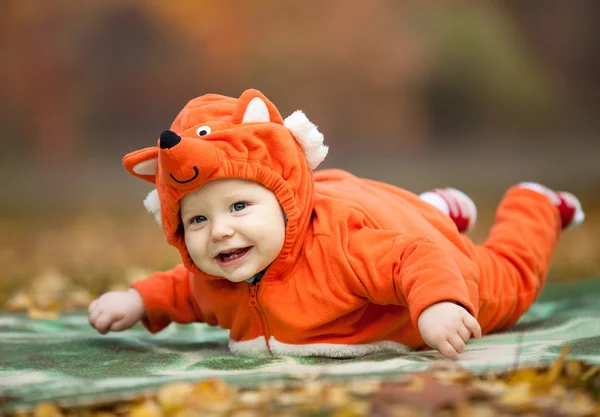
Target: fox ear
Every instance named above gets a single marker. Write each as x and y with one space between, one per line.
143 163
253 106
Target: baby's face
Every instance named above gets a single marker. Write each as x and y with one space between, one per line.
233 228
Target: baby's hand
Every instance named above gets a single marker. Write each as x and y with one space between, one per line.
116 311
446 327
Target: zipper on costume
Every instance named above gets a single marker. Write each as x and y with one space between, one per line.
254 303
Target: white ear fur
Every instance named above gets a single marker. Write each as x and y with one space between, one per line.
148 167
308 137
256 111
152 204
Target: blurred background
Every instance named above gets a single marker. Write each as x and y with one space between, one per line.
478 95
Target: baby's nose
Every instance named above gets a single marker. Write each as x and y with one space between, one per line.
221 229
168 139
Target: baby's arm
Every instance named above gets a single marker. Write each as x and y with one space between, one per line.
417 273
158 300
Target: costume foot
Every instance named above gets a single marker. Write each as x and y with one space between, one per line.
455 204
569 207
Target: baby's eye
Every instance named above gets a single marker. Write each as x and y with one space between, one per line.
198 219
239 206
203 131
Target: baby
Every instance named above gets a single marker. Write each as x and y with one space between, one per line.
321 263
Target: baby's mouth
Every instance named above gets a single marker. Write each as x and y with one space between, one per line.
232 255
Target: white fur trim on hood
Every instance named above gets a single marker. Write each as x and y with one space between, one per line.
308 137
152 204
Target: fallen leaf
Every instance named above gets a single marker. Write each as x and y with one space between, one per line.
253 399
39 314
46 409
172 397
19 302
77 299
574 370
349 411
424 391
146 409
336 396
518 399
578 405
557 366
211 395
589 373
48 288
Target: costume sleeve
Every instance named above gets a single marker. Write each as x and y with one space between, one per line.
167 298
412 271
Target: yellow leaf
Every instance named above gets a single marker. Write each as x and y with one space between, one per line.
146 409
78 299
48 288
363 387
47 410
590 372
337 395
557 366
212 395
39 314
186 412
213 387
253 398
19 302
519 398
172 396
527 376
349 411
573 369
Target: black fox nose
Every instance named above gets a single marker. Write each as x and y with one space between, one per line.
168 139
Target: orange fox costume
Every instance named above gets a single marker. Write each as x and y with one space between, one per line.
361 259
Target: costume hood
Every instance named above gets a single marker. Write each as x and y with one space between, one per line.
222 137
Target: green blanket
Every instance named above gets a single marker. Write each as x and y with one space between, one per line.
67 362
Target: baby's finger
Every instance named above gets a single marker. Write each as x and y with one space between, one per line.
472 325
448 350
464 333
103 323
92 306
457 343
93 316
120 325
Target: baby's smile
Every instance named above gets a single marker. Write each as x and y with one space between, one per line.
234 256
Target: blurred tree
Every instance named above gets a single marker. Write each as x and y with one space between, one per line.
107 76
565 37
40 82
483 80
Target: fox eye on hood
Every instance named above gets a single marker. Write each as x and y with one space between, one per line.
203 131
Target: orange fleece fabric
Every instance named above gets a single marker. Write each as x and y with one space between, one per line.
361 259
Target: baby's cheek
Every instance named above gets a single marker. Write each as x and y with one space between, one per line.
275 236
196 251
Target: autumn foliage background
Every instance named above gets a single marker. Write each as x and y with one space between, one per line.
475 94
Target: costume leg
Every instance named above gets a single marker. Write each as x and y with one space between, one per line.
515 258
